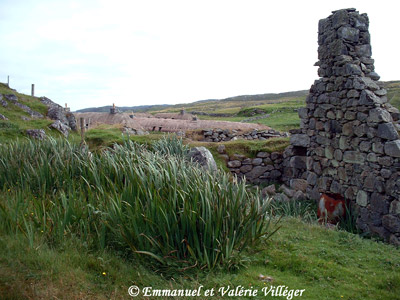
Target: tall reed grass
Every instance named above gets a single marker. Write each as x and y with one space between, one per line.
143 202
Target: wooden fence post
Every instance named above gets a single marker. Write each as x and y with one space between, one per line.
82 122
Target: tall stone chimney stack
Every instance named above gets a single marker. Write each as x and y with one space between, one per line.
349 138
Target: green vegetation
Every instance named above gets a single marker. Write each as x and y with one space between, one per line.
393 88
129 199
248 148
328 264
16 126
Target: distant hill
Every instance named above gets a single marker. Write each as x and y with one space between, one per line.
160 107
140 108
270 96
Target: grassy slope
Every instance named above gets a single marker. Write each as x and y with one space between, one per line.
393 88
328 264
15 127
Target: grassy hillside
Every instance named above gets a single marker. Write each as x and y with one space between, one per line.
19 120
393 88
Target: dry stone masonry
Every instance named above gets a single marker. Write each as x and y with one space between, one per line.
264 168
220 135
349 142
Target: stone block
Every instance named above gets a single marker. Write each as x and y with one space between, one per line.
362 198
392 148
391 223
387 131
234 164
354 157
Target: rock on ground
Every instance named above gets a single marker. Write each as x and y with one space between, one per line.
203 157
39 134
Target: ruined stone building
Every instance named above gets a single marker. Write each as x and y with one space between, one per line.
349 144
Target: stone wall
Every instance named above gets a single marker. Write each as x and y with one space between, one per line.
265 168
349 142
219 135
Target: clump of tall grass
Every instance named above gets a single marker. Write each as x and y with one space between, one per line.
304 210
144 202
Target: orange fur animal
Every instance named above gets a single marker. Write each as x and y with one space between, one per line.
331 208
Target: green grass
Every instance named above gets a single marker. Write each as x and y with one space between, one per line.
15 127
393 88
248 148
328 264
282 121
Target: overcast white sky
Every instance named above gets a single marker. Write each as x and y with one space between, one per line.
93 53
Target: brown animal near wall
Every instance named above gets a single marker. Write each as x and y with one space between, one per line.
331 208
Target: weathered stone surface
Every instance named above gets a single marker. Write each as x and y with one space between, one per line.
275 174
64 129
378 115
203 157
363 50
395 207
298 185
257 161
298 162
71 121
270 190
234 164
392 148
301 140
263 154
362 198
221 149
387 131
11 97
256 172
39 134
354 157
369 98
348 33
246 168
391 223
3 117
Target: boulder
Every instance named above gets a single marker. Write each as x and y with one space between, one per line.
3 117
11 97
203 157
71 121
39 134
64 129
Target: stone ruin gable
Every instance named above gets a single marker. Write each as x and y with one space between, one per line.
349 142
